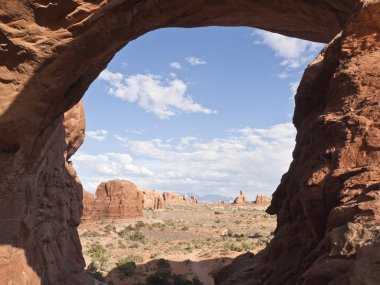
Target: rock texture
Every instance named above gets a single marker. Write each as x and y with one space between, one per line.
153 200
171 197
193 199
114 199
241 199
262 200
327 204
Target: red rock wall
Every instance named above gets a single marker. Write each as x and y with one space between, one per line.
328 204
262 200
41 208
153 200
114 199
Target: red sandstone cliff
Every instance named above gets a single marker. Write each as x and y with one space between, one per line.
262 200
153 200
114 199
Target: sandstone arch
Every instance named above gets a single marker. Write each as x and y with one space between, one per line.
327 203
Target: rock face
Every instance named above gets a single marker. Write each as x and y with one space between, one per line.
262 200
328 202
171 197
193 199
241 199
153 200
114 199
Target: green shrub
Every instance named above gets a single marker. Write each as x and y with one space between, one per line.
180 280
137 236
93 271
140 224
131 258
196 281
161 277
163 264
90 234
128 268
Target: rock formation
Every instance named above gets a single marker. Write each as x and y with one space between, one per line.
114 199
327 204
241 199
153 200
262 200
171 197
193 199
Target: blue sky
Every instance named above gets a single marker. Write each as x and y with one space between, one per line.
205 110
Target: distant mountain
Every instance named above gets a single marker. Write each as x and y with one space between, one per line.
210 197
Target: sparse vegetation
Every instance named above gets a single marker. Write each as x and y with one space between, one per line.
141 252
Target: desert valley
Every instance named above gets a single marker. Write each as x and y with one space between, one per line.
139 236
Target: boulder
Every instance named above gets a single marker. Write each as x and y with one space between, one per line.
114 199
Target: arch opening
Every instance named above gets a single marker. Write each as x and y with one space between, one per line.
226 81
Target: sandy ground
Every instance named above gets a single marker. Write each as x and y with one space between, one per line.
194 238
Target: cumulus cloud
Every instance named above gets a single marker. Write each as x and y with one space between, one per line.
162 97
175 65
251 159
97 168
195 60
97 135
293 52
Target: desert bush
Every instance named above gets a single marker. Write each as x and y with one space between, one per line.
90 234
161 277
133 245
98 254
185 228
137 236
93 271
196 281
128 268
139 225
131 258
109 228
218 213
180 280
163 264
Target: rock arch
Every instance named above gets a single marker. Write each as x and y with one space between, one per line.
328 203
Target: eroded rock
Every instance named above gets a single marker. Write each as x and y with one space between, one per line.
114 199
51 51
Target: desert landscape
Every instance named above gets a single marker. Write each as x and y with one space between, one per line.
180 241
325 208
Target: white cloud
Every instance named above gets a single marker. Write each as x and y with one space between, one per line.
293 88
175 65
283 75
195 60
249 159
293 52
97 135
162 97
